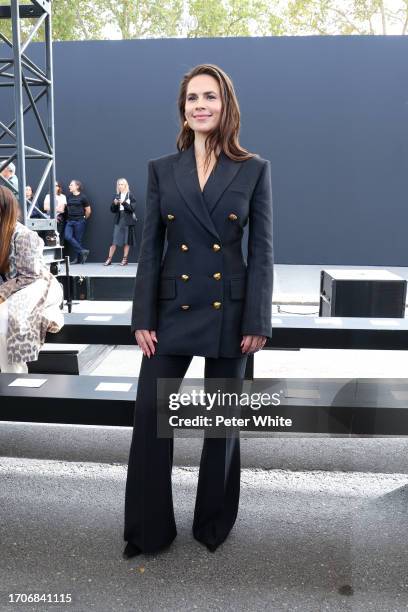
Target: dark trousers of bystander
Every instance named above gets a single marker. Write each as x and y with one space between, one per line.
74 232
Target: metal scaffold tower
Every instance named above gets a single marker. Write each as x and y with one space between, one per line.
34 101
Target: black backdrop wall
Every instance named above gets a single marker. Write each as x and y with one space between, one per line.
331 113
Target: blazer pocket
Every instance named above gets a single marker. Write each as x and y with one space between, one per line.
237 288
167 289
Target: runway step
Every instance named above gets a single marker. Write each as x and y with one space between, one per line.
69 358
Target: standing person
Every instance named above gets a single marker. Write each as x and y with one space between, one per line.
78 211
29 294
60 205
203 298
124 208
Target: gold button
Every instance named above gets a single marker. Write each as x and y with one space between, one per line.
217 275
185 277
217 305
232 216
185 306
171 217
184 247
216 247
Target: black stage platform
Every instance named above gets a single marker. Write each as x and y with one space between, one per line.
294 284
94 281
289 331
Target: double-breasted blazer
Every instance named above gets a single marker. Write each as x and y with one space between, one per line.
201 296
129 206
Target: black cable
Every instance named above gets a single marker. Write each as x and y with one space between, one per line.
295 313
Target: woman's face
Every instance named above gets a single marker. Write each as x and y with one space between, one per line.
28 192
121 186
203 103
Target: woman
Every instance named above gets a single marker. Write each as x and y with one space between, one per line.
36 213
124 208
61 204
202 299
28 195
78 211
30 295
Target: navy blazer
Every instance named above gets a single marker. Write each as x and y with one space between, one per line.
202 296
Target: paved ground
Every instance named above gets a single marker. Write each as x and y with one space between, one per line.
305 541
275 452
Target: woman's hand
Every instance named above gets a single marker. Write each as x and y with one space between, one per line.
145 340
251 344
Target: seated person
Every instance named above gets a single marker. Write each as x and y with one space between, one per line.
30 296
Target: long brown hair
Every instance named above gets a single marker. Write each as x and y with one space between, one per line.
226 135
9 211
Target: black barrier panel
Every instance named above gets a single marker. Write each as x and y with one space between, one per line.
338 406
223 407
329 112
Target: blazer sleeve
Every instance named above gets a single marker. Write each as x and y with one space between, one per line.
144 311
257 313
28 248
131 207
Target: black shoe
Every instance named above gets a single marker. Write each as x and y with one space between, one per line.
131 551
211 543
84 255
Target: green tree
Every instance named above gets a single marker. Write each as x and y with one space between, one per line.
78 20
347 17
145 18
98 19
215 18
71 20
5 24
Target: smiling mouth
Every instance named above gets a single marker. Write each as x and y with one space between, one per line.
201 116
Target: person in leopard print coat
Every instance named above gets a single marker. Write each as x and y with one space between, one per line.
29 294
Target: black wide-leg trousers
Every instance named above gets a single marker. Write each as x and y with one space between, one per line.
149 515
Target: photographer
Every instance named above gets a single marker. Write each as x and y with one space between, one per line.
124 234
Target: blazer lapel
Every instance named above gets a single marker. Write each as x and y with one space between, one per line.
225 171
185 173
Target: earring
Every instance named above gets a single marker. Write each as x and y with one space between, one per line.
185 124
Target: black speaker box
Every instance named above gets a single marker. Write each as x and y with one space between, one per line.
362 293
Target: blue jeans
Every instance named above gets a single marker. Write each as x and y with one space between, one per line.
74 231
